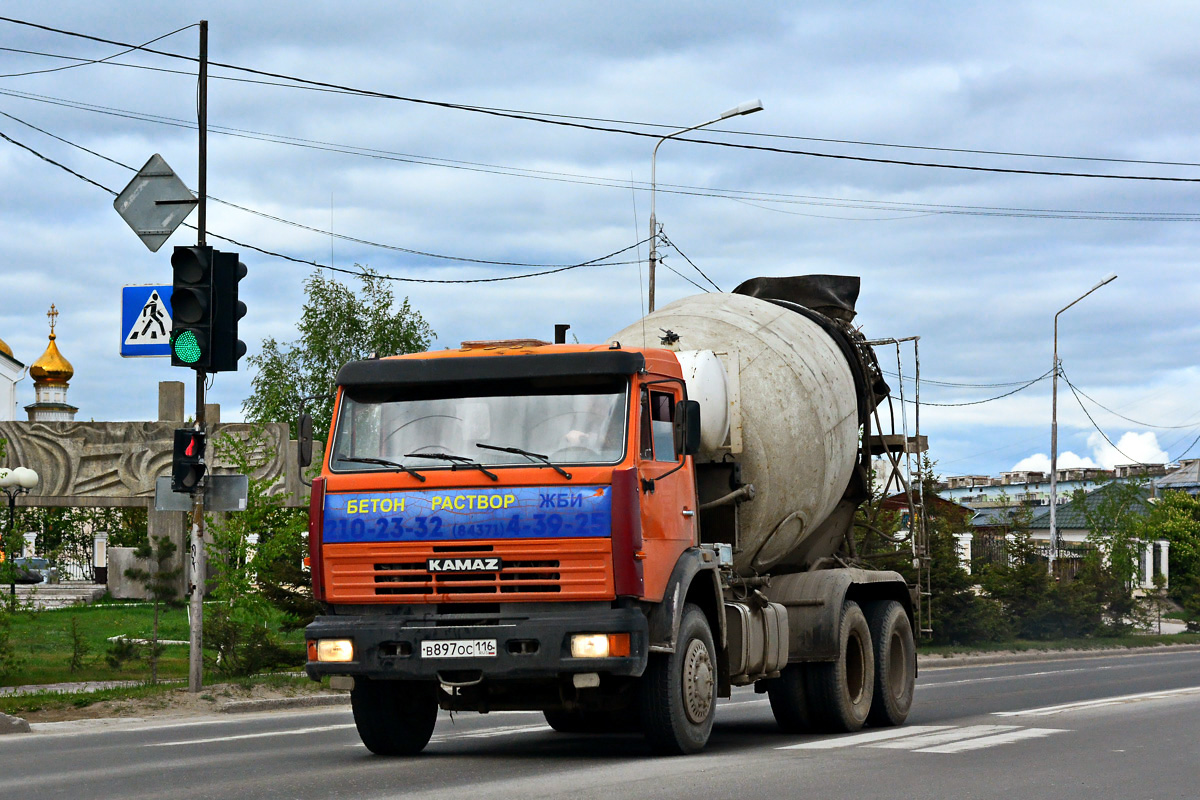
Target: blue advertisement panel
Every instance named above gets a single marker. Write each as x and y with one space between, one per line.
526 512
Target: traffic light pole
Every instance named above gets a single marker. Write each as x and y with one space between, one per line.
196 600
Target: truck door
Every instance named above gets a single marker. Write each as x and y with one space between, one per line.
668 488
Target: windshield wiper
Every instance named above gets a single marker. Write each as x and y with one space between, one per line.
537 456
383 462
456 462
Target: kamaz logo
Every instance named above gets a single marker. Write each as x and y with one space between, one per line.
488 564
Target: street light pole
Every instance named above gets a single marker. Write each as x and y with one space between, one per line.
14 483
1054 428
737 111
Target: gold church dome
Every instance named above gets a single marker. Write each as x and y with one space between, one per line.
4 348
51 366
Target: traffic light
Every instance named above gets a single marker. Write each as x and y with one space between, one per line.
226 347
192 307
187 463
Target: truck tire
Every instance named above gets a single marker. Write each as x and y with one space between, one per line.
895 663
394 718
679 690
840 691
789 699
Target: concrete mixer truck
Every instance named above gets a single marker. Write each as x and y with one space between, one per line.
614 534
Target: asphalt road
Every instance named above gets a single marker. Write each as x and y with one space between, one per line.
1112 727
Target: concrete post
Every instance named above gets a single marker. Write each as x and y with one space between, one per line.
170 401
100 557
1164 567
1148 565
963 546
30 544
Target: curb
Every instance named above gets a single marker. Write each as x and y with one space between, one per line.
982 659
12 725
311 701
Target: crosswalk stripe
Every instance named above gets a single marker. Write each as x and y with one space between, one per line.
992 741
942 737
864 738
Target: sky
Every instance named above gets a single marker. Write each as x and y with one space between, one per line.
976 262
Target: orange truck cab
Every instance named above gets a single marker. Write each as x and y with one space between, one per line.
506 526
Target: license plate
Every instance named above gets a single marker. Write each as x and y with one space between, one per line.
459 648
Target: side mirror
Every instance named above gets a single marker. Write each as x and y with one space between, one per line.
687 427
305 440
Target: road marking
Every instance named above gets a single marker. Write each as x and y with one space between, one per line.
1098 703
942 737
992 741
864 738
1009 677
295 732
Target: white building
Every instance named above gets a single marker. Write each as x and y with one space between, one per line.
11 371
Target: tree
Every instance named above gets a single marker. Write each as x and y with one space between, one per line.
161 582
337 325
1175 516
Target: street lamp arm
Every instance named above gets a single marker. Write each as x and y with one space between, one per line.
737 111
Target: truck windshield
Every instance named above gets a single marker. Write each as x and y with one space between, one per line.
581 423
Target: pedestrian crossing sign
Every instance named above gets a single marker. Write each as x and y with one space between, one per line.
145 321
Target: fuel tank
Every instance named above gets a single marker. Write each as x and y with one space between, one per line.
791 410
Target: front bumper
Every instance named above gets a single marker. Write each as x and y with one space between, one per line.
531 642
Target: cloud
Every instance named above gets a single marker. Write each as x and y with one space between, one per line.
1133 447
1040 462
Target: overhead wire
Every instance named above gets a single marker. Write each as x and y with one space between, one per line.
582 125
737 195
1063 373
83 62
282 220
1020 388
601 261
666 240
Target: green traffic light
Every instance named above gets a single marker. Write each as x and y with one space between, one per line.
186 347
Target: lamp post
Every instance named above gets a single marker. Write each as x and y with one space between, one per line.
745 108
1054 428
13 483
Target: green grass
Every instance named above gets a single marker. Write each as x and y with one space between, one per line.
43 643
50 701
1096 643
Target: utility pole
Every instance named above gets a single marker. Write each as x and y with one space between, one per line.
196 601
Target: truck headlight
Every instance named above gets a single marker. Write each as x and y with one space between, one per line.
599 645
337 650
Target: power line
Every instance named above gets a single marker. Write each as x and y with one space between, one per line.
302 226
85 62
564 121
601 261
910 378
1122 416
1086 413
738 195
1020 388
552 116
675 247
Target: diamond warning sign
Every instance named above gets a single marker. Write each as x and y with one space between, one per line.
145 321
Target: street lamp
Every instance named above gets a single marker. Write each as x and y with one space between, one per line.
745 108
14 482
1054 427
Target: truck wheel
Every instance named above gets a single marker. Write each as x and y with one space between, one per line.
394 718
895 663
679 690
789 699
840 691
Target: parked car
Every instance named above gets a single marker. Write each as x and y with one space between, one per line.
35 570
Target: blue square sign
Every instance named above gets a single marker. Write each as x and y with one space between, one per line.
145 321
